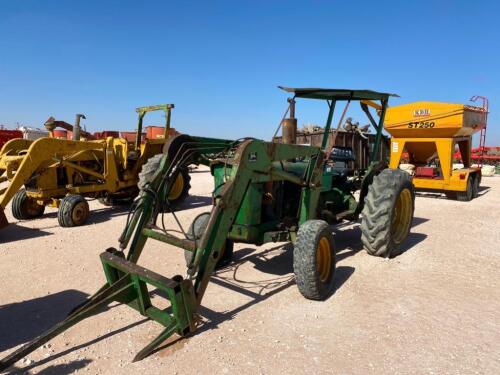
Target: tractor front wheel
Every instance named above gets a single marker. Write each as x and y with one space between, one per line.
314 260
196 231
26 208
73 211
387 212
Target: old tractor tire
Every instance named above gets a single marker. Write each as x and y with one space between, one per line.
73 211
25 208
314 260
387 212
195 232
468 194
113 202
180 189
475 186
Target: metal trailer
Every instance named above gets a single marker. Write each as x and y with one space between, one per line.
427 133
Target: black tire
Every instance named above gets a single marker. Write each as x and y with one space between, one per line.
148 172
468 194
387 212
195 232
73 211
112 201
475 186
314 260
451 195
26 208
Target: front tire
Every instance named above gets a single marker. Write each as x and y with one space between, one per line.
387 212
26 208
196 231
314 260
73 211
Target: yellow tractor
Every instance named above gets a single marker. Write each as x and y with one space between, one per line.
424 137
63 173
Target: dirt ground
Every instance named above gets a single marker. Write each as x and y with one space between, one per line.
434 309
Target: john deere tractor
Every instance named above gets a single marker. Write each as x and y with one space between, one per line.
264 192
63 173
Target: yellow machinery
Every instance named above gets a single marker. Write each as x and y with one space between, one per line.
425 134
62 173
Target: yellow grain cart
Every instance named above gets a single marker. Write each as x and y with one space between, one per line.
425 134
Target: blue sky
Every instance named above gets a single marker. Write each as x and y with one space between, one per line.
220 61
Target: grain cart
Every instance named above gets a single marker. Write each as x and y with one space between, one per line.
264 192
62 173
427 133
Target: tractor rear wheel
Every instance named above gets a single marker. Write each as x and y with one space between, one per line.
180 188
196 231
387 212
468 194
26 208
314 260
73 211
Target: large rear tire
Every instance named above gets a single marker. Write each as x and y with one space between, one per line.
180 188
314 260
26 208
387 212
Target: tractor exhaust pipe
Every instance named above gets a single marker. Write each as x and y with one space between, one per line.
77 129
290 125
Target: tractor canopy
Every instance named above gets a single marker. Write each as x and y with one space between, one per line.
337 94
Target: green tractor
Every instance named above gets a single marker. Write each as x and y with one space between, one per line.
264 192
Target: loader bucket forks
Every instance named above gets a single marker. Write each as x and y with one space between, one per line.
251 161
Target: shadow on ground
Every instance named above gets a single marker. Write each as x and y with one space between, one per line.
23 321
62 369
14 232
348 240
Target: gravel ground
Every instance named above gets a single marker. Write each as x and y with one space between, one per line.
434 309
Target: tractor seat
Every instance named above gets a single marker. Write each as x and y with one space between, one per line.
343 154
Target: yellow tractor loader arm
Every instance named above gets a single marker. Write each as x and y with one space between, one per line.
41 153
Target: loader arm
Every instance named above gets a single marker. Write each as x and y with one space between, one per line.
252 161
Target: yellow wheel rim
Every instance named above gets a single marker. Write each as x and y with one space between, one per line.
80 212
402 216
177 188
323 259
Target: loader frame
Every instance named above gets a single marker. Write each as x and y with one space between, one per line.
245 163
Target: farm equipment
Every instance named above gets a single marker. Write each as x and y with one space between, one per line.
62 173
264 192
427 133
6 135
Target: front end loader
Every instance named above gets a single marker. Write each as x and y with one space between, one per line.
63 173
264 192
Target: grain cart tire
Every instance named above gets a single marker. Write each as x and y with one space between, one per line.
451 194
387 212
26 208
180 189
314 260
468 194
73 211
475 186
196 230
